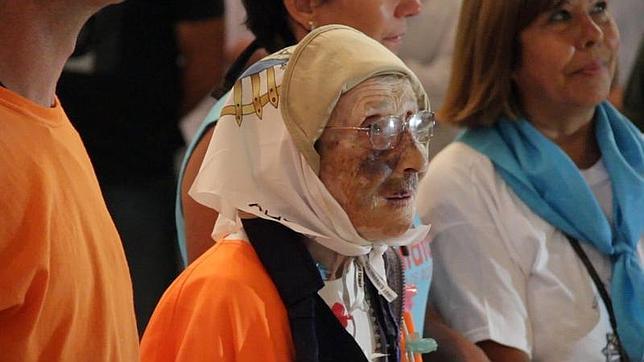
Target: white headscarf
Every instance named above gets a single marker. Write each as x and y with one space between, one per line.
264 163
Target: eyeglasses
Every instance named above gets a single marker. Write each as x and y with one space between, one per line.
385 132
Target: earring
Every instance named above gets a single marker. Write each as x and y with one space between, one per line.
312 25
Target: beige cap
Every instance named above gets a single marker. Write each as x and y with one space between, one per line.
327 63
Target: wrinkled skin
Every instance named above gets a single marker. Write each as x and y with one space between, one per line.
376 189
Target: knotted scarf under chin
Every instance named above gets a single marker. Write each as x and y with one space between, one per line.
548 181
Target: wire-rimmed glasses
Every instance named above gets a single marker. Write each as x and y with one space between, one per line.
385 132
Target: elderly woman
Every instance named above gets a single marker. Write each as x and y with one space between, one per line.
313 167
538 211
275 25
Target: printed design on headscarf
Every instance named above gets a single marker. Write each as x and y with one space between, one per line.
266 213
259 101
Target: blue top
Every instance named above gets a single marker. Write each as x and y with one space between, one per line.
208 122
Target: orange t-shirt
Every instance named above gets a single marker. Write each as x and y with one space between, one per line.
216 312
65 291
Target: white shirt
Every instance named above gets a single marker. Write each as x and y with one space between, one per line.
346 298
501 272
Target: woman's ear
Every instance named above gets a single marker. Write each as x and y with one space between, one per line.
301 12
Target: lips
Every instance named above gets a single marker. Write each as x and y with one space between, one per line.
394 39
402 195
592 67
397 37
400 199
400 191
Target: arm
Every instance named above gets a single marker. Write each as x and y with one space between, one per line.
478 286
201 44
199 220
479 289
500 353
452 346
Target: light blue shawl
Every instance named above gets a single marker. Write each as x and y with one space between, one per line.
548 181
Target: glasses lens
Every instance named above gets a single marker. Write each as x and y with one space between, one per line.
422 126
384 132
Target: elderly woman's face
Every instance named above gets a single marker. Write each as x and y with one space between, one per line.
568 56
375 188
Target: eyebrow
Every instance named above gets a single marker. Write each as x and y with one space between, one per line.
559 4
381 105
386 102
387 107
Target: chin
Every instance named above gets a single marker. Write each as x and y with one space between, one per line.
591 101
591 94
383 232
393 45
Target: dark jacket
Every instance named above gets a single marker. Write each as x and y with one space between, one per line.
317 333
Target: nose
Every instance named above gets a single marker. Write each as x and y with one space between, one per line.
407 8
590 33
413 155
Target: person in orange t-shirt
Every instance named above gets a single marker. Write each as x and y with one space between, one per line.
65 291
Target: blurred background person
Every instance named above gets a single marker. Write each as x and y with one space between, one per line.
65 290
628 16
427 50
237 34
634 95
136 68
429 44
536 213
236 39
